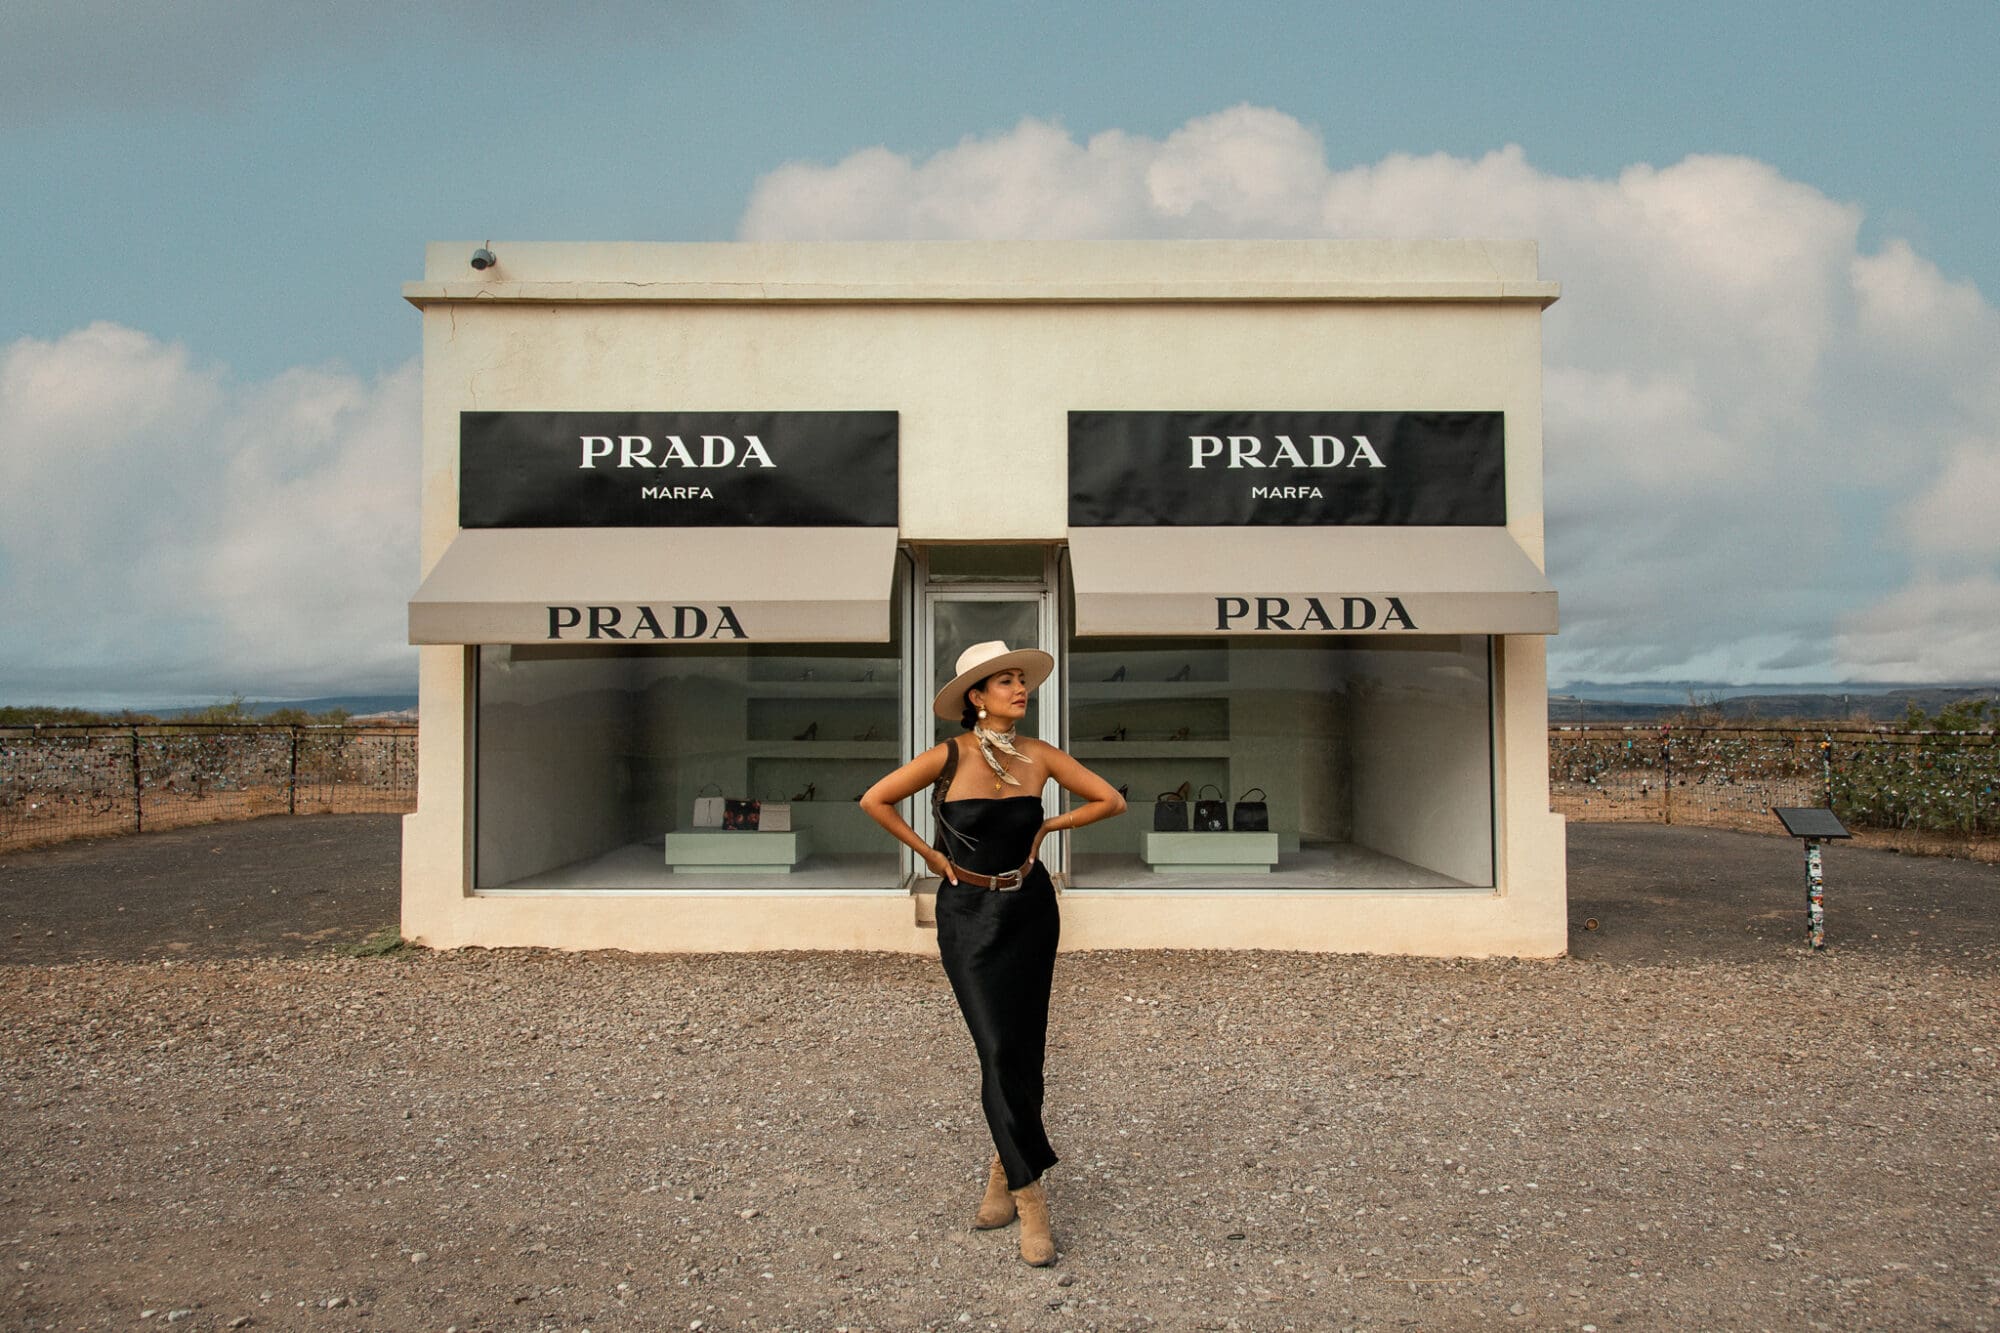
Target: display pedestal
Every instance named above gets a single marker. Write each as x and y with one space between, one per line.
738 853
1209 853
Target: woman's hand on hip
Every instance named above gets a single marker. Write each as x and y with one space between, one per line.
1035 849
940 865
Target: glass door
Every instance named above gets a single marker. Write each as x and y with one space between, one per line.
970 600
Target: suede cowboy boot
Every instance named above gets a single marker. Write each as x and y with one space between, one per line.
1037 1246
997 1208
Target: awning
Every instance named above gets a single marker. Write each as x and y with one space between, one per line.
1288 580
654 585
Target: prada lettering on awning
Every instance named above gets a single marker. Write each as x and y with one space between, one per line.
1362 580
652 585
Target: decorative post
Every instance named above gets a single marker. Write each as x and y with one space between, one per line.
1813 826
138 788
1815 897
1667 775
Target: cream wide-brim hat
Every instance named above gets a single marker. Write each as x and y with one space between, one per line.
987 659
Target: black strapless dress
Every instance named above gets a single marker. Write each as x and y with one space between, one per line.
999 951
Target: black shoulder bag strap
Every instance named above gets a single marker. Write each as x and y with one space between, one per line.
945 831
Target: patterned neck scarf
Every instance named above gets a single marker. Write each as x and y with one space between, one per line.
1003 741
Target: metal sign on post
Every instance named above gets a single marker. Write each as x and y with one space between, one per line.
1813 825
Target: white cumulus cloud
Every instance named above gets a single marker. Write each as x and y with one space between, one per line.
1770 453
168 534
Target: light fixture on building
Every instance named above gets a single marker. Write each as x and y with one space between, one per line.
483 258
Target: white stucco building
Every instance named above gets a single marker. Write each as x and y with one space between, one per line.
706 520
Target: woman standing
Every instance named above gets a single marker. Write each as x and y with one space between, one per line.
996 908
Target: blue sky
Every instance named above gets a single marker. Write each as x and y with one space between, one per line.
231 194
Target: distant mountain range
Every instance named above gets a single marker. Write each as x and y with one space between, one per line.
1658 701
358 705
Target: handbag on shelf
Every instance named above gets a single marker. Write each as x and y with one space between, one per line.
707 808
1211 816
741 815
1252 816
774 817
1170 811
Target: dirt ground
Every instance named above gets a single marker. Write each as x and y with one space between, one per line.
212 1121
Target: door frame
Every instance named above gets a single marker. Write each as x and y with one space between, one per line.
923 670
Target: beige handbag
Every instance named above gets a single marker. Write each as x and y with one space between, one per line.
775 817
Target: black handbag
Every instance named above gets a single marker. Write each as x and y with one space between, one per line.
1211 816
741 816
1252 816
1170 811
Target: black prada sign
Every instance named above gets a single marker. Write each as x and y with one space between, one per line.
1333 615
645 622
1225 469
676 469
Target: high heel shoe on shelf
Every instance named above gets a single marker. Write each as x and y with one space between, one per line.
1180 735
807 794
1119 674
1186 671
872 734
811 733
1117 735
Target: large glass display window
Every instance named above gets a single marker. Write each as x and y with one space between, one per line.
590 761
1372 758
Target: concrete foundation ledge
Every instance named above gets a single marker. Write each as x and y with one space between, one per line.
1433 924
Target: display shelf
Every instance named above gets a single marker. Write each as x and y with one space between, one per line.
823 689
877 749
1209 853
1145 662
1212 747
737 853
836 781
1112 691
775 725
1151 706
787 667
1146 763
795 802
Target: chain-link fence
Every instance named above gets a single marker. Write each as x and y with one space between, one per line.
1731 777
60 782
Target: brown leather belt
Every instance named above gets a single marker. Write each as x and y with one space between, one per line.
1005 882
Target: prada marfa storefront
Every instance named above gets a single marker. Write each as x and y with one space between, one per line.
707 525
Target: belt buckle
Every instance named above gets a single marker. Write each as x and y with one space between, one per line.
1000 881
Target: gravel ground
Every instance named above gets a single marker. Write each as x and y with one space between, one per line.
280 887
1691 1120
